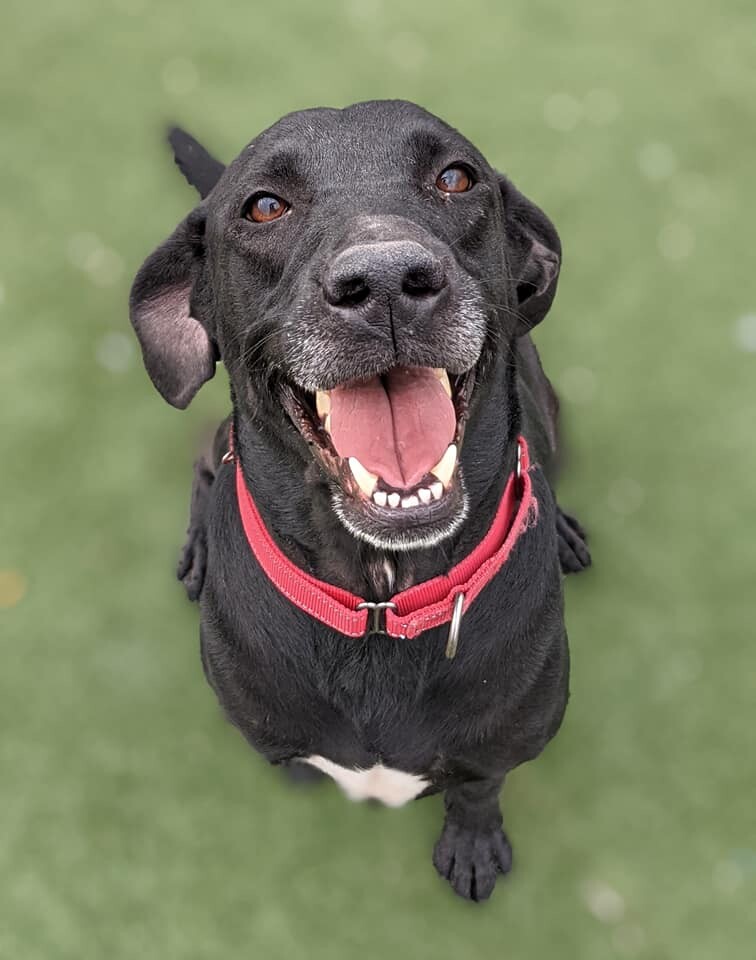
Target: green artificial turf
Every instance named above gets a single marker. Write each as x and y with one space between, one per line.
134 822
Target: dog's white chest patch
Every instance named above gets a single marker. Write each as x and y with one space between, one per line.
392 787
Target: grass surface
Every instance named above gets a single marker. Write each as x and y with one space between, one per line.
134 822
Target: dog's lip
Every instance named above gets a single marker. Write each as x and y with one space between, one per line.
300 405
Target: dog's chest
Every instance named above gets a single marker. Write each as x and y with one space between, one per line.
391 787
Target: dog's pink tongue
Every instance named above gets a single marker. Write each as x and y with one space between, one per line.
398 426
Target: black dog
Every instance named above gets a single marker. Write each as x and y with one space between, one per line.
375 537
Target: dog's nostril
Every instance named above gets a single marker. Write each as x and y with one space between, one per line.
348 292
422 283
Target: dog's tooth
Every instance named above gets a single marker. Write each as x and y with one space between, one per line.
323 403
437 490
424 494
445 466
366 480
443 378
393 499
410 502
380 497
327 423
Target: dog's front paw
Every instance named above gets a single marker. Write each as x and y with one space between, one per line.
574 555
471 860
193 563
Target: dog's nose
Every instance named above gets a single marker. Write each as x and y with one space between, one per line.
401 273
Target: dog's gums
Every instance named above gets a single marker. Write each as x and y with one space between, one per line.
390 446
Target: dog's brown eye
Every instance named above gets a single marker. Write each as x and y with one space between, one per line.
454 180
264 207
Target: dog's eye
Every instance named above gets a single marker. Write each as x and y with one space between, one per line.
264 207
454 179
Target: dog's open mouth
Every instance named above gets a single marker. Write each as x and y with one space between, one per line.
391 442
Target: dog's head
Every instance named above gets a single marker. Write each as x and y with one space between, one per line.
355 270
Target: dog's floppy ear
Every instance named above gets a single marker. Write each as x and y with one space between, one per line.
199 167
164 307
535 256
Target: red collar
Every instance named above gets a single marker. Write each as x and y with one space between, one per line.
412 611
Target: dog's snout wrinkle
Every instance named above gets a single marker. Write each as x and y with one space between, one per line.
393 272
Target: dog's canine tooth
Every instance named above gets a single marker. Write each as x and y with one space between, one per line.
380 497
445 466
437 490
366 480
323 403
410 502
443 378
393 499
425 495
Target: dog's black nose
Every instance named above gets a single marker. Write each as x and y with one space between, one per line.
400 273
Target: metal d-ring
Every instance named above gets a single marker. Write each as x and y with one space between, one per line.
378 623
456 622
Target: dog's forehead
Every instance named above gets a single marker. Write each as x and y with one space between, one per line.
374 138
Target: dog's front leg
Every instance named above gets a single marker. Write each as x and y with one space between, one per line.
193 561
473 849
192 565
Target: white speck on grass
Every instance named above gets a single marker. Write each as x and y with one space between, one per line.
180 76
577 384
601 106
561 111
115 352
727 876
603 901
676 241
657 161
625 496
745 332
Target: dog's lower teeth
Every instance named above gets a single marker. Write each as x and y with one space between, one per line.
423 495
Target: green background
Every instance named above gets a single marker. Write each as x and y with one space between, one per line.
133 821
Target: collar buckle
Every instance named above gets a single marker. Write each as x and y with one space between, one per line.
376 623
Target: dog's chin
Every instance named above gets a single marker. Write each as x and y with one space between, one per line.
407 425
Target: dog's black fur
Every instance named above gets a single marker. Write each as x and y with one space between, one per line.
250 294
